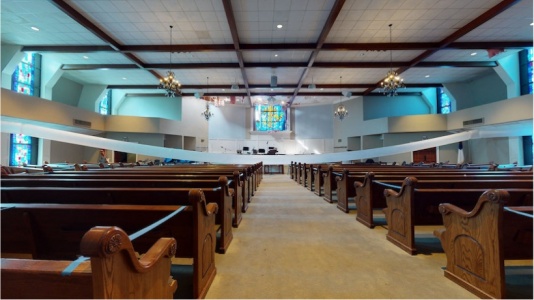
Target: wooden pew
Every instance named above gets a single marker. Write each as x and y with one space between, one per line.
345 181
340 170
238 180
410 207
369 194
97 180
132 195
54 231
477 242
114 271
249 176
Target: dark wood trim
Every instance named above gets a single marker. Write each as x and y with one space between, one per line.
228 10
317 91
336 8
483 18
340 65
80 19
277 47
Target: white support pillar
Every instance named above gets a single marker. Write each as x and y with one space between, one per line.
11 57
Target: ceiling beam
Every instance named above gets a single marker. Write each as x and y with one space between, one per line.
336 8
338 65
227 4
152 95
277 47
266 86
486 16
80 19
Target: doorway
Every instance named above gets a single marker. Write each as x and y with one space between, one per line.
425 155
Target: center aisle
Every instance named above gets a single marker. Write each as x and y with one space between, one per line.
293 244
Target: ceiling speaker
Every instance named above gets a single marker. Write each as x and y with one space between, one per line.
274 81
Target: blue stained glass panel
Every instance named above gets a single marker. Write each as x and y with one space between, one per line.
270 118
21 150
23 78
445 102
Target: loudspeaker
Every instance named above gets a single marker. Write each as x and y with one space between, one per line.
274 81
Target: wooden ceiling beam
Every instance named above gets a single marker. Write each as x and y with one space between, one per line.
264 86
331 65
230 18
486 16
277 47
336 8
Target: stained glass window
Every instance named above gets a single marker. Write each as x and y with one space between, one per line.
526 75
269 117
23 80
104 106
529 70
21 150
444 102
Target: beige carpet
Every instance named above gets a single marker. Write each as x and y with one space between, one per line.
293 244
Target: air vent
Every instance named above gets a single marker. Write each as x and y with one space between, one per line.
474 122
81 123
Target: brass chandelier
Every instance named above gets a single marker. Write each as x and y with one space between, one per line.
393 81
341 112
169 82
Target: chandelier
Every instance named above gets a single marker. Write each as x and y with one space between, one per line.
216 100
169 82
341 112
393 81
207 113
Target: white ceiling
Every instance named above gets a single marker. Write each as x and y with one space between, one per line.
205 23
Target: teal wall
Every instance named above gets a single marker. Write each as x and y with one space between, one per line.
67 92
155 107
486 89
314 122
376 107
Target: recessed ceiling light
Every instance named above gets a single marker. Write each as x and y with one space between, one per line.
276 55
223 90
86 57
279 26
322 89
124 78
473 54
531 24
34 28
426 76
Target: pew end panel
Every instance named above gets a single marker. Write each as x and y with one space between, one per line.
476 243
399 215
364 200
113 272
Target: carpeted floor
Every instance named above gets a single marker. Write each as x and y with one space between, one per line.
293 244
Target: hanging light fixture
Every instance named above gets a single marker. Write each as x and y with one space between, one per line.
341 112
217 101
207 113
169 82
393 81
312 86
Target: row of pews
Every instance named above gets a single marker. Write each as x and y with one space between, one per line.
486 213
51 218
